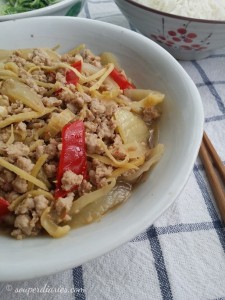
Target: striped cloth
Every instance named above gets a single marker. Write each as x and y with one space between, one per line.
182 255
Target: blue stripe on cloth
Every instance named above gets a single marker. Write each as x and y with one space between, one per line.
86 10
215 118
104 17
78 283
212 82
159 264
208 83
209 204
216 56
100 1
187 227
132 27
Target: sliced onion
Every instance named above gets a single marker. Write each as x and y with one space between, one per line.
156 154
19 91
139 94
108 57
86 199
131 127
51 227
58 121
94 211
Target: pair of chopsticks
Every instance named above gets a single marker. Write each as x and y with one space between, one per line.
215 171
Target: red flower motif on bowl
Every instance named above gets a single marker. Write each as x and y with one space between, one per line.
181 38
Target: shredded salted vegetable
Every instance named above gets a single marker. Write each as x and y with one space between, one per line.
75 135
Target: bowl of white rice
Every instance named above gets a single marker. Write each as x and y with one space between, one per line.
188 29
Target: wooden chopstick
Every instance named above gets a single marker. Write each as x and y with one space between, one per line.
217 161
210 158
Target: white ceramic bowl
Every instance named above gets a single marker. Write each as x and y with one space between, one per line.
181 131
185 38
62 8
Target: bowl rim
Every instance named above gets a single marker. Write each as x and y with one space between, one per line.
36 12
67 262
158 12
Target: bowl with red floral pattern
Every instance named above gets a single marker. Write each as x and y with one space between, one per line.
185 38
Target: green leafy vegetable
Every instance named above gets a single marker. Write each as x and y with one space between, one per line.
18 6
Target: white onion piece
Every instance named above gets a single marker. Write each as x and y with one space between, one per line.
156 154
119 194
94 211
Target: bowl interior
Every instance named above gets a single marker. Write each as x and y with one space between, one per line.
180 130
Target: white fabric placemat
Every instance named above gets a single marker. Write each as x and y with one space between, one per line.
182 255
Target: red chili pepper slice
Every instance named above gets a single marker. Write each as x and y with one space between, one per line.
3 207
121 80
71 77
73 155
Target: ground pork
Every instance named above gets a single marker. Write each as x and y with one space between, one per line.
18 234
63 206
76 99
99 173
15 108
6 179
110 109
150 113
17 149
89 115
106 129
85 187
4 137
30 81
119 153
27 221
19 61
39 151
26 225
12 195
36 124
51 101
40 203
51 149
24 164
50 170
68 58
60 77
70 179
26 206
97 107
39 75
117 149
91 58
23 222
20 185
90 127
40 57
21 126
92 143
